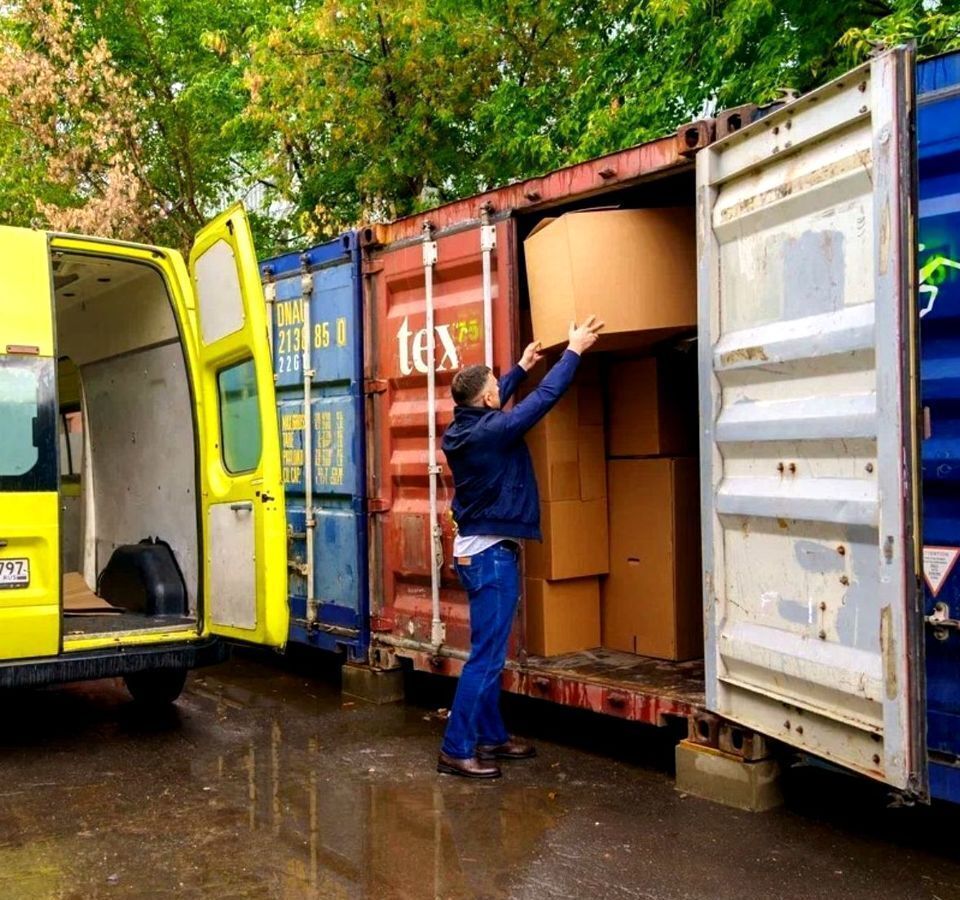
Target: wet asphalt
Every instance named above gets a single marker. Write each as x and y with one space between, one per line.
263 782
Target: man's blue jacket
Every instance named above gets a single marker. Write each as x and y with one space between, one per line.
495 489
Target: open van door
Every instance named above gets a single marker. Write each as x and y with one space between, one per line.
29 505
808 371
244 525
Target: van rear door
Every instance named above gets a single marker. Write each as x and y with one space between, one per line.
244 528
809 448
29 508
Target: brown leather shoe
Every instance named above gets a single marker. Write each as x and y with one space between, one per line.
512 749
466 768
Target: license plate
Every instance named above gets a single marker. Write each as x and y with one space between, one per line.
14 573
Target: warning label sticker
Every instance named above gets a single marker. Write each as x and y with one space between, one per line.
938 562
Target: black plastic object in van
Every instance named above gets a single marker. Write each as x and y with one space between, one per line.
144 578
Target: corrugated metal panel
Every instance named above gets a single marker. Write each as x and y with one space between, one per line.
938 132
329 275
807 405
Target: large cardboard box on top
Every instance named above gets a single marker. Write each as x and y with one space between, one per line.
636 269
651 601
652 402
562 616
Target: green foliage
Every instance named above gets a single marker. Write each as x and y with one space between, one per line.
934 26
183 61
344 111
187 59
493 90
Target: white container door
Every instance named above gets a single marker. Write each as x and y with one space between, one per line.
808 383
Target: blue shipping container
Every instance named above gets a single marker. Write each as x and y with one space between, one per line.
329 276
938 133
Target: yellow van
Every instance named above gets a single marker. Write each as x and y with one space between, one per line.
142 513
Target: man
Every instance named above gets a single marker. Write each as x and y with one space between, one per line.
495 505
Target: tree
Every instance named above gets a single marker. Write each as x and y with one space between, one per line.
377 110
660 63
140 118
123 115
70 127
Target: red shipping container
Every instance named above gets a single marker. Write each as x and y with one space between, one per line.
397 363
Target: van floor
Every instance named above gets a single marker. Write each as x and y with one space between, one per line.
77 624
682 682
85 613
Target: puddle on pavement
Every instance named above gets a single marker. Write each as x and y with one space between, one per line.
259 783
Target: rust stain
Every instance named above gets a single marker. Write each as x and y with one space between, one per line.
744 354
888 649
884 261
795 186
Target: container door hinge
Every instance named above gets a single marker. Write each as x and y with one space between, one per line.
377 505
941 623
375 385
430 254
488 237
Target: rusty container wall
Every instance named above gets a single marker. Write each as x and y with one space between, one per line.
396 383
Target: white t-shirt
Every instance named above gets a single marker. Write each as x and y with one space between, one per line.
471 545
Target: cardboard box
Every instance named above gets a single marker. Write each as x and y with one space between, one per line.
592 464
562 616
652 403
568 445
574 541
570 465
651 603
557 465
635 269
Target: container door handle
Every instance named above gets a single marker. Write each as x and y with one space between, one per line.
246 506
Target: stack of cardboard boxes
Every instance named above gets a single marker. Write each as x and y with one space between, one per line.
651 599
562 585
620 562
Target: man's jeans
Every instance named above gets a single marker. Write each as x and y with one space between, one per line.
492 581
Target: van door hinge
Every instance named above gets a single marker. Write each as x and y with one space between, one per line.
375 385
377 505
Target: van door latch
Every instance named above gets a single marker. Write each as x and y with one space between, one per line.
941 623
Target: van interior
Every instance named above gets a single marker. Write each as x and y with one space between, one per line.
682 677
129 521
